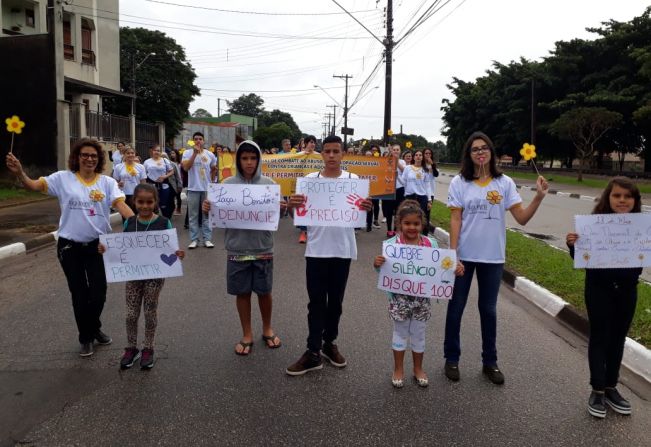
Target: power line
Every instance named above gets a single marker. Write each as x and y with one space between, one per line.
266 13
276 91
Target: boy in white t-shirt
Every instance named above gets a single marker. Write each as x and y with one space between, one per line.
327 255
201 166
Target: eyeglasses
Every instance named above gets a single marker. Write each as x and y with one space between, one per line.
87 156
480 149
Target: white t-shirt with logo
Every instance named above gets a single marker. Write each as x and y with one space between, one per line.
117 157
483 223
199 172
157 168
130 179
85 207
331 242
399 183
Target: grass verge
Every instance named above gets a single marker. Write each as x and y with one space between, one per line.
553 270
17 195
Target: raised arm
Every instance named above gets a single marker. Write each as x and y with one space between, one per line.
14 166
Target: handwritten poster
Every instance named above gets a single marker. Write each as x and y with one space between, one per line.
613 241
141 255
417 271
249 207
331 202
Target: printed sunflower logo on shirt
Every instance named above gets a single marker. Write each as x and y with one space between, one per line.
494 198
96 195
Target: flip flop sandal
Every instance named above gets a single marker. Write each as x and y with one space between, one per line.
244 345
422 382
271 338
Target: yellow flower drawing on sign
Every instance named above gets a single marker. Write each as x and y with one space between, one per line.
446 265
494 198
96 195
408 145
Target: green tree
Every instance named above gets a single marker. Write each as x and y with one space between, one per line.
248 105
201 113
271 136
266 119
584 126
164 79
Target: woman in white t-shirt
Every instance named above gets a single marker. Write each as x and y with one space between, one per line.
417 179
390 206
159 170
479 198
86 197
129 174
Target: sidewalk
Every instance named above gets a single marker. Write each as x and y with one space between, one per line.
22 223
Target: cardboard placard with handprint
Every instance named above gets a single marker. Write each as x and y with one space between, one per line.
244 206
331 202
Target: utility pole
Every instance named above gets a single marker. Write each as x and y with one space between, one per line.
329 128
334 118
388 62
346 77
219 107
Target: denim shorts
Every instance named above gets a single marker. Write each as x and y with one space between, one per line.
244 277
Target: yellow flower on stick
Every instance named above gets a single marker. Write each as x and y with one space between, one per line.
191 143
390 132
364 143
528 152
408 145
14 126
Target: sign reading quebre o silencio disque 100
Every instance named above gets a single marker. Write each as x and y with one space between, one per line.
417 271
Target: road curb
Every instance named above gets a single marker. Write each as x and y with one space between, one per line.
22 248
637 358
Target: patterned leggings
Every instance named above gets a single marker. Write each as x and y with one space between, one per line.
142 294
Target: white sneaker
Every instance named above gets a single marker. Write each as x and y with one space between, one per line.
209 244
192 245
384 220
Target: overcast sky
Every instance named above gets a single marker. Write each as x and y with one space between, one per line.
460 40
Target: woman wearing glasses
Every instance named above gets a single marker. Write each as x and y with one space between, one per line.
479 198
85 197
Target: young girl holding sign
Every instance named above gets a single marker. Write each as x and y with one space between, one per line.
409 313
143 293
610 299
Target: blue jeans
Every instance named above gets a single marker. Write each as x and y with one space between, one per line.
489 277
195 199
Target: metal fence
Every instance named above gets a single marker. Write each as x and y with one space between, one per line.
146 136
107 127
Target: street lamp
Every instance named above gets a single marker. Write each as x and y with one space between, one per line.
134 67
324 91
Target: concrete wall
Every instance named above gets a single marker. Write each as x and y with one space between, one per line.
9 19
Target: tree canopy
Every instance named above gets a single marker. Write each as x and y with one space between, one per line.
201 113
611 73
164 79
248 105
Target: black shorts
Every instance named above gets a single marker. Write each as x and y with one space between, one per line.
244 277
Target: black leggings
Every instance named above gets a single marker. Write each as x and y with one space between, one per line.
372 216
389 207
611 307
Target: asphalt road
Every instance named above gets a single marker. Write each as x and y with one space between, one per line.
201 393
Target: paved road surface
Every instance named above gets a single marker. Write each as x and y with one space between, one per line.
200 393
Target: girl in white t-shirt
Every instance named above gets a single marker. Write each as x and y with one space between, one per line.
478 199
129 174
159 170
417 179
86 197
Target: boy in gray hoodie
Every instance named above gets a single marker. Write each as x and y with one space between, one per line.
250 255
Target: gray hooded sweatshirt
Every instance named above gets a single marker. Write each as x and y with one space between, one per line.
248 242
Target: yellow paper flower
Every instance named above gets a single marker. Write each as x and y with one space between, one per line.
293 151
14 124
390 132
96 195
408 145
211 149
447 263
181 150
494 197
528 151
191 143
376 154
364 143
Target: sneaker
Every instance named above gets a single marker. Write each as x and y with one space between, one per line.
390 234
193 244
494 374
617 402
102 338
302 239
86 349
309 361
147 360
331 352
208 244
368 229
129 357
376 224
452 371
596 405
384 220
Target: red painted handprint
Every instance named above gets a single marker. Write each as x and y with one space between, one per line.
301 210
355 200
